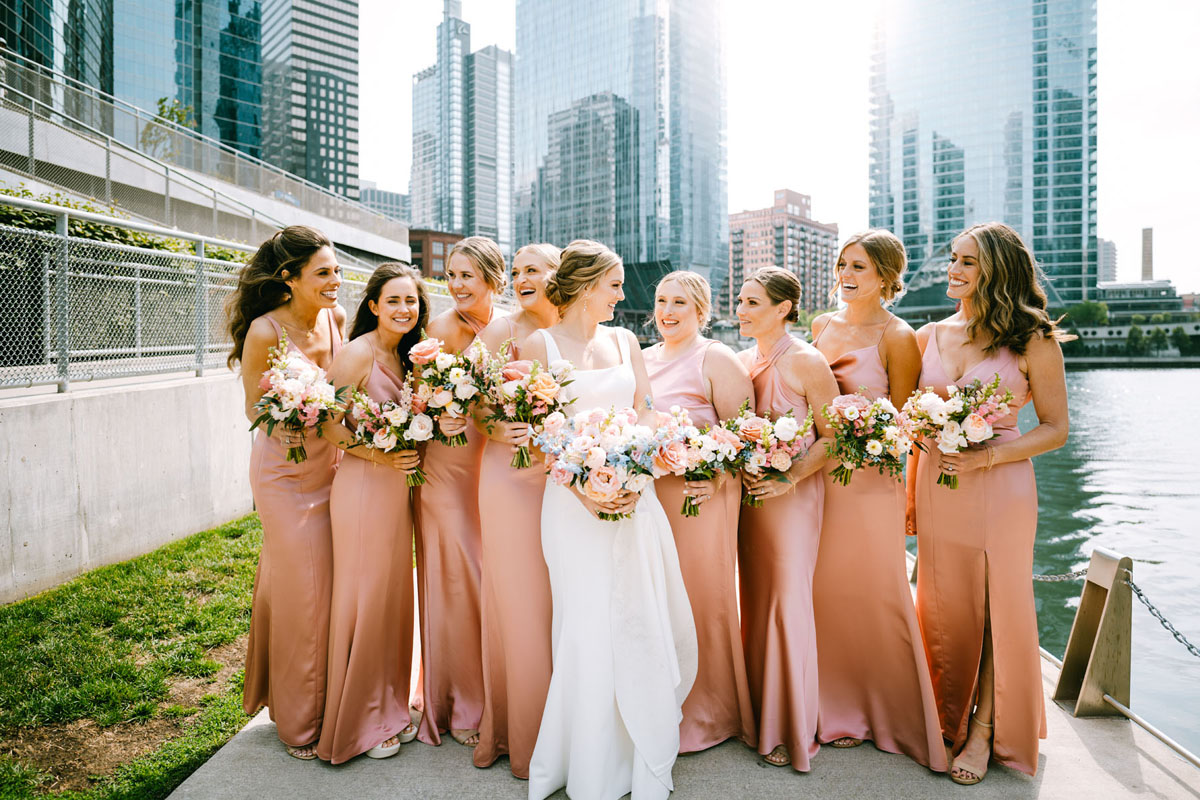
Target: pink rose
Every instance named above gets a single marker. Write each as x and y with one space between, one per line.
780 461
671 457
516 370
595 458
560 474
725 438
264 382
554 423
441 398
602 485
425 351
752 429
976 428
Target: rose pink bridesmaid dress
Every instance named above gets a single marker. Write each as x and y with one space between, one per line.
718 706
874 678
777 551
371 615
516 608
975 546
448 565
289 619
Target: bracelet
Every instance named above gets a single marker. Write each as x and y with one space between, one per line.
991 457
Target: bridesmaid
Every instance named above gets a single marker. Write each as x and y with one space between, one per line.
290 284
371 614
516 605
777 547
974 586
448 546
874 678
707 379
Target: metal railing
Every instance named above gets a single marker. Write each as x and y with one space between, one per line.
116 121
78 309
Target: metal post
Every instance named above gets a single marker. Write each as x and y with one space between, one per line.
201 311
108 198
32 167
137 308
1097 660
61 304
167 197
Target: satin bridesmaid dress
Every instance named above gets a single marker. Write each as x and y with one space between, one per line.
975 546
371 615
874 678
448 566
289 620
718 706
516 608
777 552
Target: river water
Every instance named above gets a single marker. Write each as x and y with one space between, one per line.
1129 479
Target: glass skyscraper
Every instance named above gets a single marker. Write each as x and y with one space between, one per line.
461 180
310 90
663 60
73 37
986 112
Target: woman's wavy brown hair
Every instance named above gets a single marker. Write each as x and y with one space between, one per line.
886 252
1009 305
262 283
366 320
583 264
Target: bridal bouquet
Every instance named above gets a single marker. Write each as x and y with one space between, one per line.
964 418
768 446
525 391
600 452
295 395
447 384
700 454
867 433
391 426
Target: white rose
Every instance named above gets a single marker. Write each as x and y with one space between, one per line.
444 361
279 414
954 405
595 458
950 440
384 439
638 482
465 391
396 416
874 447
508 390
891 433
421 428
786 429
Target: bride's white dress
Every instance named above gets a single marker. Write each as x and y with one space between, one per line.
624 642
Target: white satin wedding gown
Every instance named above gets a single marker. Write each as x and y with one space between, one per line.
624 641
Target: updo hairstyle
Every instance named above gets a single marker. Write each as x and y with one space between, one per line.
780 285
583 264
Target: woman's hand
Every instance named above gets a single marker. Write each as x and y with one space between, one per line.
452 426
910 515
968 460
704 490
289 437
403 461
767 485
623 503
513 434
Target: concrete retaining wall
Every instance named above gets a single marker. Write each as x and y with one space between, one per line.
100 475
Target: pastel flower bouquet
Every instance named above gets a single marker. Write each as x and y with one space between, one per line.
965 417
600 452
295 395
391 426
867 434
695 454
446 383
768 446
525 391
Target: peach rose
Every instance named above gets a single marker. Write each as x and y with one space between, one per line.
725 438
441 398
976 428
752 429
516 370
425 351
671 458
544 387
602 485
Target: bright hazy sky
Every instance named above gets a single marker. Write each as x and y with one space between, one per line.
808 132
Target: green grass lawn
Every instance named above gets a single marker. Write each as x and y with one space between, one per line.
119 646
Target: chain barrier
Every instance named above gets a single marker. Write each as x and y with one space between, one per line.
1158 615
1066 576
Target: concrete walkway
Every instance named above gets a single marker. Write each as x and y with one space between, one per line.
1083 759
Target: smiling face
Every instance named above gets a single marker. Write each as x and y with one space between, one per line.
398 307
602 298
675 312
756 314
318 281
466 284
858 279
964 268
529 275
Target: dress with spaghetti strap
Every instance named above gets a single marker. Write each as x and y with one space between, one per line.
448 574
874 678
289 620
371 614
975 545
719 705
777 551
516 606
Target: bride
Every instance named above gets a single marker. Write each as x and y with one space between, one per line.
624 643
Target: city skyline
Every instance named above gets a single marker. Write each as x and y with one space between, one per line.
770 142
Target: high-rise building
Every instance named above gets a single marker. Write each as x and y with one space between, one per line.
1106 261
662 59
462 168
1001 125
1147 254
782 235
74 38
310 90
390 204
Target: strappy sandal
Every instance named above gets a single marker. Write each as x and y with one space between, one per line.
408 733
305 752
845 742
968 774
467 738
778 757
